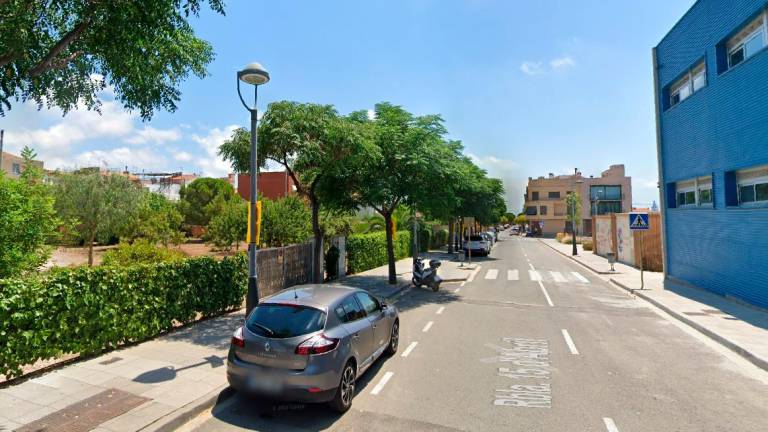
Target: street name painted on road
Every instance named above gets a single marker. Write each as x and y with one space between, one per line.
524 359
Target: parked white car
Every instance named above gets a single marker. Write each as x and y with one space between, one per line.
478 244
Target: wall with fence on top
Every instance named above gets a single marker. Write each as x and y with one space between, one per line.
284 267
611 233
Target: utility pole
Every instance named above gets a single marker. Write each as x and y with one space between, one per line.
2 132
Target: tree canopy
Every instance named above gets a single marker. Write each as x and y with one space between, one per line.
63 53
201 199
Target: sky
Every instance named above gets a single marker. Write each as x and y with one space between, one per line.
530 88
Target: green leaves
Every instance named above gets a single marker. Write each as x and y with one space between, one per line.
199 199
367 251
86 310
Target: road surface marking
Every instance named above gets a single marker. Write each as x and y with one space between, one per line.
558 277
546 294
439 311
473 274
492 274
458 289
380 386
409 349
463 283
569 342
531 265
581 278
427 327
513 275
610 425
535 276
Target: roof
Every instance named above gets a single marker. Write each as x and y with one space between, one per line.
316 295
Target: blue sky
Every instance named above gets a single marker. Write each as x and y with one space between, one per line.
529 87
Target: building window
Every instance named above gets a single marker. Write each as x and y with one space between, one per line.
695 192
553 195
752 186
605 199
530 211
747 42
16 169
534 196
693 80
543 210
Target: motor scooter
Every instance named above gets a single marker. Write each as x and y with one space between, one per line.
428 277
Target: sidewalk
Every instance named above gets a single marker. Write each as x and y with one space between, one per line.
153 386
739 327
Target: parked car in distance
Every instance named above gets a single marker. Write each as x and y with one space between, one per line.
489 238
311 343
477 244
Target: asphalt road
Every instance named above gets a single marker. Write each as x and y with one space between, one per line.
534 342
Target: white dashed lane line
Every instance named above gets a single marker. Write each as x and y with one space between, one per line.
440 311
610 426
535 276
569 342
427 327
546 294
380 386
409 349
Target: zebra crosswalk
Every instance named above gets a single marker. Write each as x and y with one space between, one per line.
538 275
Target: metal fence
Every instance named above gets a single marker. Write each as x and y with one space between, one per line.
283 267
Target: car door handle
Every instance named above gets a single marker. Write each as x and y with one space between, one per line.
356 336
374 326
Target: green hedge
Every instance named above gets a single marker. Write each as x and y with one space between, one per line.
367 251
87 310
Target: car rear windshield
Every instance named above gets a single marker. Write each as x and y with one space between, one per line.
285 321
476 238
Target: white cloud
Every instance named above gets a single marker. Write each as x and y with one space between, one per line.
562 63
183 156
121 157
156 136
211 163
532 68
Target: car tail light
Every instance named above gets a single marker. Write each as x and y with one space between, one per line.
237 338
317 345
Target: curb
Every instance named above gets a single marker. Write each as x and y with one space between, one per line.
179 417
594 270
743 352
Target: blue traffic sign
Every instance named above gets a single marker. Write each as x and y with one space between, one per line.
639 222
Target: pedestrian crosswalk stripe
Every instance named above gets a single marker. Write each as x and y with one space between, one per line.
581 278
535 276
558 277
492 274
513 275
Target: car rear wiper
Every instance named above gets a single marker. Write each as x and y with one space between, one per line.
266 329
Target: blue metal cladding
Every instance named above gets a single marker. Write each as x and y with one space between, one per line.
720 128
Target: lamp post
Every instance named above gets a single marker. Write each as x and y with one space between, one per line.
255 75
573 216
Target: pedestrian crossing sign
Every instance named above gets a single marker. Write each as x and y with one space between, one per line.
639 222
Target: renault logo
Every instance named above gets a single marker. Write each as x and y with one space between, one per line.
266 346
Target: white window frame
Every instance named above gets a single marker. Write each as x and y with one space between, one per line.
686 82
16 168
695 185
751 182
740 41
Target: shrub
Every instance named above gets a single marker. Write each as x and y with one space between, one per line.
441 238
367 251
140 252
559 237
425 238
87 310
587 245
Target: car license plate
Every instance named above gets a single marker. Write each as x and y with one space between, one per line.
263 384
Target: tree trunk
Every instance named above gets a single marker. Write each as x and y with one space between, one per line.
317 253
90 249
390 247
451 227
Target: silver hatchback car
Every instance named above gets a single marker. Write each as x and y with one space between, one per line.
310 344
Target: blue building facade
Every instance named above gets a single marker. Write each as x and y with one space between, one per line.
711 79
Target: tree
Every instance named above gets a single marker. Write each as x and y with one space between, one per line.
229 225
96 206
27 221
521 219
157 220
317 148
285 221
198 199
573 207
51 52
403 165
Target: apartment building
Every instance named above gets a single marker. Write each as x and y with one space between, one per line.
545 205
709 75
12 165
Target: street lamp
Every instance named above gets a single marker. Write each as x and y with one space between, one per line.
255 75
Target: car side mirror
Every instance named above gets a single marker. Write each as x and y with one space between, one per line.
383 306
